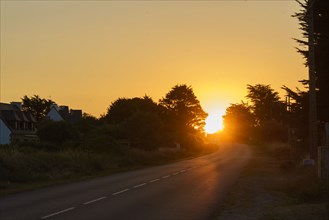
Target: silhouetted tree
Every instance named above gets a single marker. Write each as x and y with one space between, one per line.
38 107
183 109
86 124
265 103
123 108
57 132
144 129
320 24
239 122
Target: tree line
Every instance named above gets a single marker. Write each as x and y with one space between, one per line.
176 120
269 118
266 117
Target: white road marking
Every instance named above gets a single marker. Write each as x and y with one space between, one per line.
57 213
143 184
122 191
95 200
152 181
116 193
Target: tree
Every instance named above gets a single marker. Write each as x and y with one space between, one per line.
123 108
239 122
320 12
39 107
137 120
321 22
183 109
270 113
144 129
57 132
86 124
266 104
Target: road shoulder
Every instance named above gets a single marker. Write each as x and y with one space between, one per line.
270 188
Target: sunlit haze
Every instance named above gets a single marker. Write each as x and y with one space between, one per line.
87 54
214 122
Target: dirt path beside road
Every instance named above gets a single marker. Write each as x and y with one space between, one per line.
271 187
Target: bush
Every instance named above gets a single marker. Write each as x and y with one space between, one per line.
57 132
21 165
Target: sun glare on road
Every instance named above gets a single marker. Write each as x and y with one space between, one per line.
214 123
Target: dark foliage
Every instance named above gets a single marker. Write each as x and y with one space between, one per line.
38 107
320 11
57 132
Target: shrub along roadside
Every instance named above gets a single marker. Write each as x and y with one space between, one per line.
24 168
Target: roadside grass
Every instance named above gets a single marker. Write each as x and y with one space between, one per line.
274 187
26 168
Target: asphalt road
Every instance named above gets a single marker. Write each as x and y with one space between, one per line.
189 189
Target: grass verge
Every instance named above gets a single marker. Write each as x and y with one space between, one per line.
25 168
272 187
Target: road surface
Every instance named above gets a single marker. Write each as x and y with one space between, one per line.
189 189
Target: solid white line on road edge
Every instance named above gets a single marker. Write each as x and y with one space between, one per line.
57 213
164 177
143 184
152 181
174 174
95 200
122 191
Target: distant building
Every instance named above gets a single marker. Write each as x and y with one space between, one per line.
16 125
62 113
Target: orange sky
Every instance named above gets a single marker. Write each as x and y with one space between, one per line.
86 54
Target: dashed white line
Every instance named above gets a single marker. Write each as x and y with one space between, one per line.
95 200
57 213
152 181
122 191
139 185
116 193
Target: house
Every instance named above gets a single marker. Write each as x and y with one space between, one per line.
16 125
54 114
62 113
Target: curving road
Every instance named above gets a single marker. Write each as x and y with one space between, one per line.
189 189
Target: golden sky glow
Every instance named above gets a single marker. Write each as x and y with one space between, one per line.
86 54
214 122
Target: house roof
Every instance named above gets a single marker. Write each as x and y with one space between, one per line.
65 114
9 112
9 115
30 117
21 116
5 106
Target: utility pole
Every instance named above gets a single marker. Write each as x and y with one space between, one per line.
313 140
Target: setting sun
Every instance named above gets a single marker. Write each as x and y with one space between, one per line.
214 123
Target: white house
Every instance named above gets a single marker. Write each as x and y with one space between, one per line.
54 114
4 133
16 125
62 113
